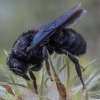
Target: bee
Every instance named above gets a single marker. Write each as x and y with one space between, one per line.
32 47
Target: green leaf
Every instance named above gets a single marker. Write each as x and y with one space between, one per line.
4 76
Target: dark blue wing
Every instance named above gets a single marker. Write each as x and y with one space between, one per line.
48 30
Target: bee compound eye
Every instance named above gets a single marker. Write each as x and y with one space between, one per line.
15 65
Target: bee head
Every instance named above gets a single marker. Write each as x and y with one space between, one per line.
16 65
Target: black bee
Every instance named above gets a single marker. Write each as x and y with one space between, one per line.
32 47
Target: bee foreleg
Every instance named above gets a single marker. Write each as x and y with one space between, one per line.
25 76
35 68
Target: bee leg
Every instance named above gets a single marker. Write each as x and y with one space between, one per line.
25 76
45 57
35 68
77 65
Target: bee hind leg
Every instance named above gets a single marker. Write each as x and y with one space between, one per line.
77 65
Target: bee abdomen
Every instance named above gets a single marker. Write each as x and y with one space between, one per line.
75 43
82 46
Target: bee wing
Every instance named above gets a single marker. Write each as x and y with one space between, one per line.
48 30
75 18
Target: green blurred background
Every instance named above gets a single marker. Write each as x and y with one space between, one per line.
18 16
